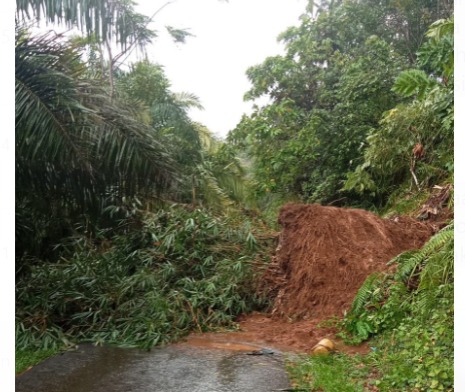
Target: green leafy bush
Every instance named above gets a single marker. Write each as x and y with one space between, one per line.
182 270
426 119
418 354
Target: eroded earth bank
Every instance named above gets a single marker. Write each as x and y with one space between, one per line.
323 256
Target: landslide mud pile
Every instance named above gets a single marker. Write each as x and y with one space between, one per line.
325 254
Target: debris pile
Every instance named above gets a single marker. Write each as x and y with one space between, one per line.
325 254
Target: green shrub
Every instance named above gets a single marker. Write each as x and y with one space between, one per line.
182 270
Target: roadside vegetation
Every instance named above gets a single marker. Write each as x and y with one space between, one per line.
136 226
130 226
407 318
179 271
26 358
363 116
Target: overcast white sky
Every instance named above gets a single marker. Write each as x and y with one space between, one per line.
229 38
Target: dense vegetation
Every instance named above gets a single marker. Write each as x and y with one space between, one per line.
181 270
129 215
134 225
335 130
358 118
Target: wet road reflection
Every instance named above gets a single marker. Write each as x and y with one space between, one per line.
166 369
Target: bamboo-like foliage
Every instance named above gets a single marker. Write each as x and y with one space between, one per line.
182 270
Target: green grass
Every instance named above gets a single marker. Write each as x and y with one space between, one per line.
24 359
334 373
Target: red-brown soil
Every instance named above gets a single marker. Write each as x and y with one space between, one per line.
323 256
261 330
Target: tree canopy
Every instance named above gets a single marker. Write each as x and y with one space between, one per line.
341 72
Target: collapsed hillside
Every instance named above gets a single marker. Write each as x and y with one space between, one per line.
325 254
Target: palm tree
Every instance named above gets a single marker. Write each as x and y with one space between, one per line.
82 147
212 175
77 151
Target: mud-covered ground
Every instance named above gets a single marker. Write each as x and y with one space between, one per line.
262 330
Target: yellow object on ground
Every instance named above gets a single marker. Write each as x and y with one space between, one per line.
323 347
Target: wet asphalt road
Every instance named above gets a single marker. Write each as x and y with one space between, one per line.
166 369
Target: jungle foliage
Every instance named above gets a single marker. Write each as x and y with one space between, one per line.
77 150
332 131
84 159
426 120
409 314
361 113
182 270
134 225
127 225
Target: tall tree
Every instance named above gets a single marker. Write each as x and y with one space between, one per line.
327 93
415 139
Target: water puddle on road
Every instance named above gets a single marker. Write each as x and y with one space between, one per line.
198 367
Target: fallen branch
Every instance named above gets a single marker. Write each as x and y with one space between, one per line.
415 179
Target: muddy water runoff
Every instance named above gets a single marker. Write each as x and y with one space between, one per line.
167 369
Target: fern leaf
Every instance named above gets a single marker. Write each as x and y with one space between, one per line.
366 291
413 82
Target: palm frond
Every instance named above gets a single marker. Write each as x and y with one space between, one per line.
76 149
211 192
113 20
54 108
187 100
